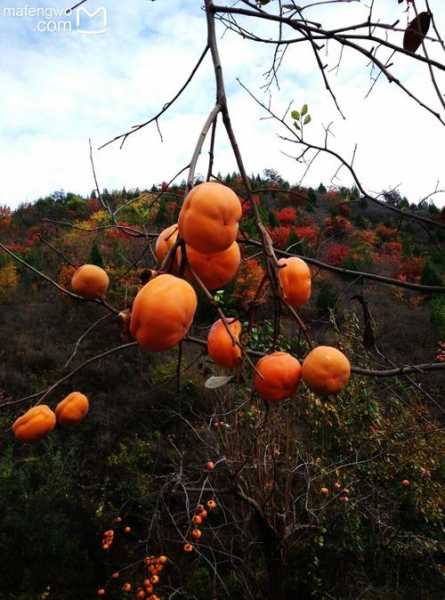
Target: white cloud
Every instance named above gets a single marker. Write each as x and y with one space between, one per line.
59 89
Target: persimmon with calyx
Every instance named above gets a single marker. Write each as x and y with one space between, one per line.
35 424
72 409
166 240
217 269
90 281
326 370
220 346
163 312
277 376
209 217
295 280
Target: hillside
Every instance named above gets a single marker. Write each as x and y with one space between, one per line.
339 497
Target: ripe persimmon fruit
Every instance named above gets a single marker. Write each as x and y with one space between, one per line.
220 346
209 217
34 424
217 269
188 548
326 370
163 312
295 279
165 241
196 533
72 409
90 281
277 376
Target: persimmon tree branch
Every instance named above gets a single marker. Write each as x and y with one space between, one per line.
72 295
167 105
296 138
416 287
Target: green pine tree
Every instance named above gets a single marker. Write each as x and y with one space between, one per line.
96 256
430 275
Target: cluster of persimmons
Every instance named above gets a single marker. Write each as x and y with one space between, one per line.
199 516
40 420
164 308
151 576
153 565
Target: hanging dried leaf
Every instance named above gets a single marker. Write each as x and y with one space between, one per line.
214 382
416 31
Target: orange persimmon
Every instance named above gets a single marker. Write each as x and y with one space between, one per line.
166 240
34 424
217 269
221 347
163 312
72 409
295 279
277 376
209 217
326 370
90 281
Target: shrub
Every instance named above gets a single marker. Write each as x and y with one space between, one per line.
337 226
308 234
280 236
393 248
438 314
385 233
326 299
337 254
287 216
430 274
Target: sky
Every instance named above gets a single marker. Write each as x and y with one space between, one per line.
67 78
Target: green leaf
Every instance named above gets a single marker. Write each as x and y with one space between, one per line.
213 382
307 119
295 115
304 110
296 125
